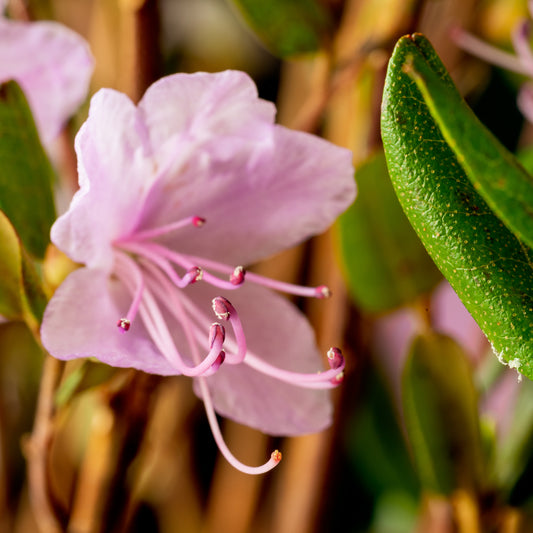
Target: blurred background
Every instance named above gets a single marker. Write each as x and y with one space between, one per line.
130 452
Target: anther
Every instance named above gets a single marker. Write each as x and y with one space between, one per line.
193 275
322 291
237 276
222 308
198 222
124 324
215 333
276 456
335 358
338 379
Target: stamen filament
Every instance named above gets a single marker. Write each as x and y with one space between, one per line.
298 290
488 53
196 221
321 380
521 43
136 280
156 326
275 457
193 274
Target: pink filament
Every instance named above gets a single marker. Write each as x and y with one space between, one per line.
489 53
219 439
156 324
298 290
163 230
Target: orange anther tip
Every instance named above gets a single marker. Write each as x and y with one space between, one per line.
276 456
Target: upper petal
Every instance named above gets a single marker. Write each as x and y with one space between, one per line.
52 64
116 170
260 202
277 332
80 321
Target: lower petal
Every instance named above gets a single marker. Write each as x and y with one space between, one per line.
279 333
81 318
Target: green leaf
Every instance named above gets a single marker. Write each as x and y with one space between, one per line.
441 415
22 296
489 268
495 173
10 271
287 27
384 261
26 178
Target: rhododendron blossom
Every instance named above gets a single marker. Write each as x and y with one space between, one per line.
51 63
176 194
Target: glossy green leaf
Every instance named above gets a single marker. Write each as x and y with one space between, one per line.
489 268
10 271
385 263
27 176
495 173
287 27
441 416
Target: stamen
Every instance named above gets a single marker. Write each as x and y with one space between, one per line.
298 290
487 52
195 221
521 43
237 276
159 254
321 380
224 310
323 292
194 273
335 358
156 325
124 324
130 275
275 456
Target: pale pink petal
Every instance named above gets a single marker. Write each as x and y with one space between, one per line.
52 64
80 321
293 190
278 333
115 170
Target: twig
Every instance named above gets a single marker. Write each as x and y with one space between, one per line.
38 446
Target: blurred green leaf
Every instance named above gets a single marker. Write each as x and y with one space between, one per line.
10 271
441 416
287 27
26 178
489 268
22 296
384 261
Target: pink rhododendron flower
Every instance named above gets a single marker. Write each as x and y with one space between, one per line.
175 194
51 63
520 62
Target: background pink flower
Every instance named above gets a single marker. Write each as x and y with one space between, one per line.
52 64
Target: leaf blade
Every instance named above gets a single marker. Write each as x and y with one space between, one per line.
26 179
489 267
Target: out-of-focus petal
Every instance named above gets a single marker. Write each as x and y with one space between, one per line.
115 170
451 317
80 321
278 333
52 64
